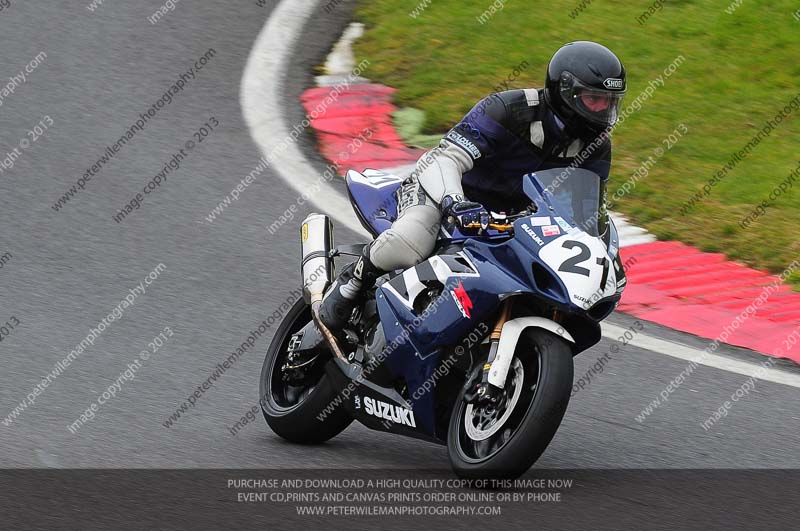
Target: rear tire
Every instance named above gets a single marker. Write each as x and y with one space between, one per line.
546 361
292 412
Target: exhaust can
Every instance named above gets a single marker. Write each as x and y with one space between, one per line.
316 241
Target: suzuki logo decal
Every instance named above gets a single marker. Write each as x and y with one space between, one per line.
392 413
462 300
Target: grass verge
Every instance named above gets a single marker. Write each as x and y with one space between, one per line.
740 70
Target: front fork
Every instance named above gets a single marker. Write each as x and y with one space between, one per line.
486 392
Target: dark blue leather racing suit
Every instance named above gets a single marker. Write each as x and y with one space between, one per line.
483 158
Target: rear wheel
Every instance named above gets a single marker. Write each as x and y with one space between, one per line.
299 409
503 441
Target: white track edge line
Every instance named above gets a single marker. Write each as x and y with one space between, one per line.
684 352
261 106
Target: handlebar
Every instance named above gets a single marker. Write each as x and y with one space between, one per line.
502 227
499 222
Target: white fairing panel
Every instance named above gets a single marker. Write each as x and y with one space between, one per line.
581 261
509 336
374 178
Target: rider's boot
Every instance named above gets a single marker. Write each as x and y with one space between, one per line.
347 291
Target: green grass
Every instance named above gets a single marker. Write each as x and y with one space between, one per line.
739 70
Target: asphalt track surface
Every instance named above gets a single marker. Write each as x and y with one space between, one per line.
70 268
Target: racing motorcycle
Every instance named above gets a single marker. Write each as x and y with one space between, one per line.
471 348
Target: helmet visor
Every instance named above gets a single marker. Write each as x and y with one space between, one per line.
598 106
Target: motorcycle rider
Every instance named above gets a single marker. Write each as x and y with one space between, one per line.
505 136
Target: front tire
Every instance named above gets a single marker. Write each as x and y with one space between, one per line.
293 411
537 389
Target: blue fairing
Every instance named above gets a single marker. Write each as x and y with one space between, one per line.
444 325
373 196
474 281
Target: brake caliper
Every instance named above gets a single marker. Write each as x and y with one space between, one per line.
295 369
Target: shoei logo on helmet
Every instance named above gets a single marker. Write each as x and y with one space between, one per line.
613 83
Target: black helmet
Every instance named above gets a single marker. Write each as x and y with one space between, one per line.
585 86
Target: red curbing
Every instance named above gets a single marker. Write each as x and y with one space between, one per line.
355 129
678 286
670 283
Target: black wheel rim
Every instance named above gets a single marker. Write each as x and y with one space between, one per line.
497 428
282 395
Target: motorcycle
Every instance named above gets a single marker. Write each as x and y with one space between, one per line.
472 348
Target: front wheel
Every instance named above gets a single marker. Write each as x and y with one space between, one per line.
304 408
503 441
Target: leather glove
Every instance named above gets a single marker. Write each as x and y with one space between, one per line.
464 212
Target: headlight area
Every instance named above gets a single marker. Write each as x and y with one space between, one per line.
603 308
548 283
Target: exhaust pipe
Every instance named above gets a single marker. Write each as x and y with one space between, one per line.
316 242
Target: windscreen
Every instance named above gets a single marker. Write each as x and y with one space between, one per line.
577 195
